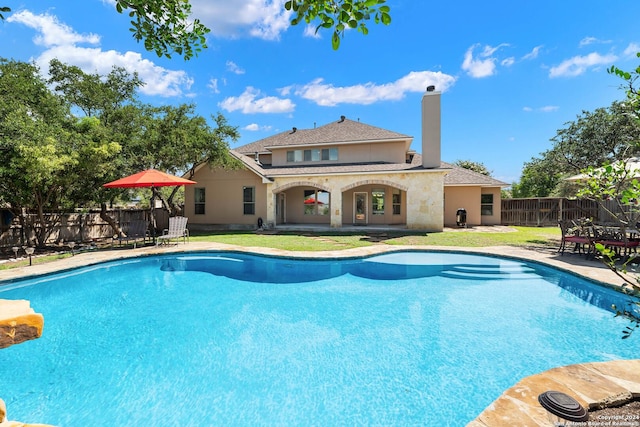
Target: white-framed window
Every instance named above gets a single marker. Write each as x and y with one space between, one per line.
313 155
249 200
198 199
486 204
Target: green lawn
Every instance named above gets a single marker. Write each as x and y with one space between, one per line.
305 241
523 236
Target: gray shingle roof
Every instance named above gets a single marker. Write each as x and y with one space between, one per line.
462 176
455 176
335 132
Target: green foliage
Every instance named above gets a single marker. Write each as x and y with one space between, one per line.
51 160
632 92
594 138
473 166
539 178
339 15
617 182
164 26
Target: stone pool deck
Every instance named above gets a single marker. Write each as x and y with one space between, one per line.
589 383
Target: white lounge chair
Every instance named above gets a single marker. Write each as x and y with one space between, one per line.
177 230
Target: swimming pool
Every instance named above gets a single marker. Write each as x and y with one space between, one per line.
219 338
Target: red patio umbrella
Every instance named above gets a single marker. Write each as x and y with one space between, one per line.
149 178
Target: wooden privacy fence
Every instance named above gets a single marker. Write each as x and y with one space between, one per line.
76 227
547 211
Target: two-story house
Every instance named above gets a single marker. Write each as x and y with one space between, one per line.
344 173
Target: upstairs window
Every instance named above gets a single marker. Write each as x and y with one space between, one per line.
314 155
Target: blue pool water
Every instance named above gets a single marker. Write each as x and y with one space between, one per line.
224 339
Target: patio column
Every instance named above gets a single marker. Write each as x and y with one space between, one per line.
336 208
271 205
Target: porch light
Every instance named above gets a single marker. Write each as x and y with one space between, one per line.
29 250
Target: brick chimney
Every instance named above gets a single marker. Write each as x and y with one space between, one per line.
431 128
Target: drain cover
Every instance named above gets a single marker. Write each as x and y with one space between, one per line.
563 406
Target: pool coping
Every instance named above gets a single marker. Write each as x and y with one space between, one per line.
518 403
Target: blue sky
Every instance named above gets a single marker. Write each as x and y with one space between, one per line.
512 72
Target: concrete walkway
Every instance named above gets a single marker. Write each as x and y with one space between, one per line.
518 406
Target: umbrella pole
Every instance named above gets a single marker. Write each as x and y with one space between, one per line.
153 216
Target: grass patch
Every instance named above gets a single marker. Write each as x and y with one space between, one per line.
522 237
34 260
531 237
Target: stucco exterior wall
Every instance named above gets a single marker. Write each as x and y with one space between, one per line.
462 197
469 198
224 197
389 152
496 218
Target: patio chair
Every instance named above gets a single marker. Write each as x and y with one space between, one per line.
581 236
135 230
177 230
617 239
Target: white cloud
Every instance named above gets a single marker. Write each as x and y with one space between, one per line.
213 85
549 108
587 41
592 40
416 81
310 31
533 54
234 68
632 50
265 19
250 102
62 42
507 62
580 64
545 109
484 65
51 31
254 127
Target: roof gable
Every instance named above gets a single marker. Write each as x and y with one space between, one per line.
342 131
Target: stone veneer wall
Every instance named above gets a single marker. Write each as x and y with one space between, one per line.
425 194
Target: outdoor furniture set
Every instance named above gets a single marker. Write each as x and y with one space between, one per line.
138 230
583 236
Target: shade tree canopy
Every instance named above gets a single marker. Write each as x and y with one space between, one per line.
593 139
62 138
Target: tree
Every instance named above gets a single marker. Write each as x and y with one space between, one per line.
540 176
473 166
177 140
166 26
47 155
594 138
615 181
